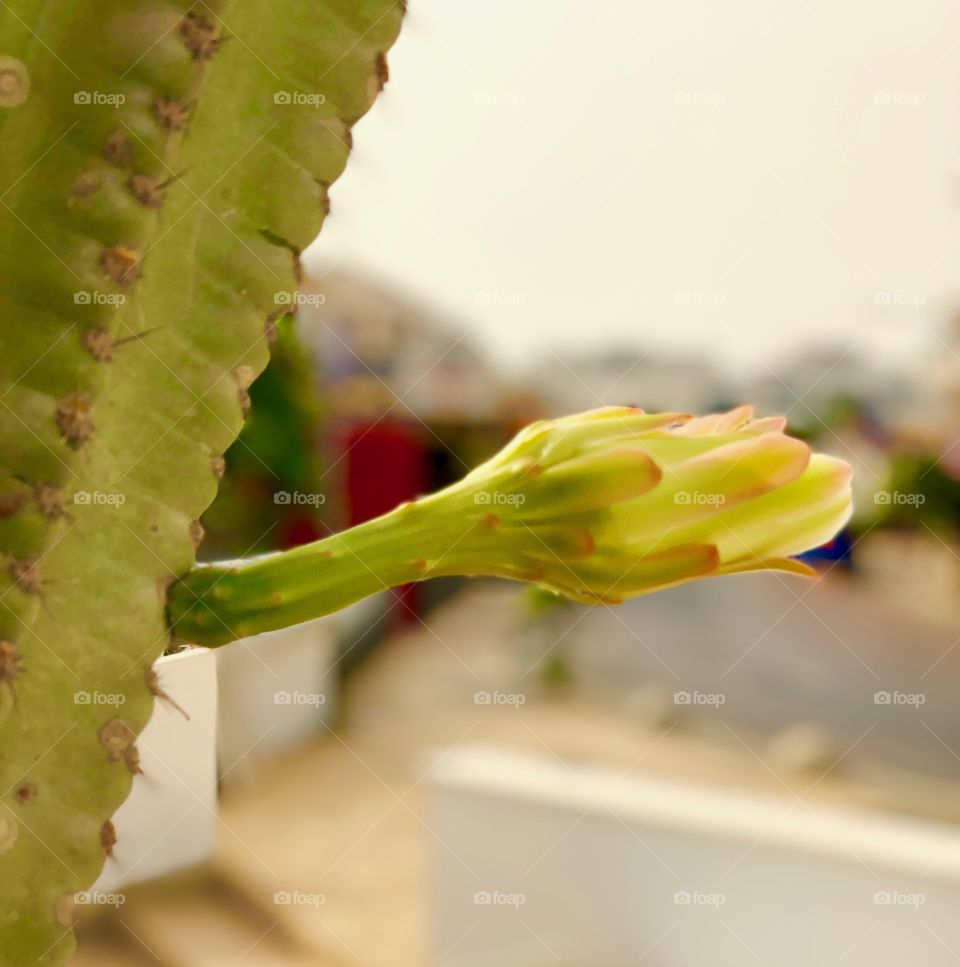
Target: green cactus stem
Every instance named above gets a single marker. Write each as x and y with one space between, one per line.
162 164
598 507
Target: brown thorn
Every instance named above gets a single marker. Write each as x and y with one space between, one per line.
131 759
156 689
108 837
136 336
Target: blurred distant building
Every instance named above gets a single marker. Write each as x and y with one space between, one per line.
940 383
627 377
375 348
816 376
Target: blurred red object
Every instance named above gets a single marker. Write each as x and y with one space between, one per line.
387 462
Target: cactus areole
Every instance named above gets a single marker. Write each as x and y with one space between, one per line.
162 165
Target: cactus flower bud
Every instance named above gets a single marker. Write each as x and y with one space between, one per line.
600 506
616 502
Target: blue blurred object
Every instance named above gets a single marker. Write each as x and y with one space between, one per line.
837 551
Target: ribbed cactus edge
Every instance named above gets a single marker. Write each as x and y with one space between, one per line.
162 164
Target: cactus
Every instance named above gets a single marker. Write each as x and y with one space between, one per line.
163 164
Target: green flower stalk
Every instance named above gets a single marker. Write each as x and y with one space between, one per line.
599 507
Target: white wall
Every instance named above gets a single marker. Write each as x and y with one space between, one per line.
584 866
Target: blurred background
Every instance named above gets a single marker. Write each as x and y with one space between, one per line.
673 206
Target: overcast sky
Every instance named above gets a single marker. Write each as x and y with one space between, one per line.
741 175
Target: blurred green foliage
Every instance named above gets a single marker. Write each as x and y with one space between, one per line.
933 496
275 457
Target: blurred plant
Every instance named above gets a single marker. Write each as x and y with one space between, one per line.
270 497
920 492
549 617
